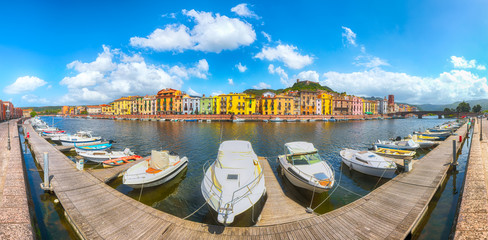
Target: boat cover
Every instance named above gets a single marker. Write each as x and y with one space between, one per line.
300 147
159 159
236 154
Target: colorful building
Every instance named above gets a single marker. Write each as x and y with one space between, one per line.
326 103
65 110
341 104
234 103
167 100
94 110
123 106
107 109
356 105
307 102
272 104
206 105
191 105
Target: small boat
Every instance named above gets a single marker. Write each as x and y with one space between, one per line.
277 119
101 156
394 153
304 167
440 135
80 138
53 132
291 120
160 168
234 183
368 163
209 120
265 120
96 147
422 142
401 145
191 120
238 120
120 161
303 120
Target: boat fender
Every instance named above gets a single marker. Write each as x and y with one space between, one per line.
255 162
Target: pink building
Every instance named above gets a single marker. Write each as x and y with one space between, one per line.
357 106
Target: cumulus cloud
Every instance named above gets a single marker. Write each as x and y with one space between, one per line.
446 88
216 93
243 11
211 33
349 36
280 72
128 75
24 84
31 98
192 92
230 81
287 54
461 62
262 85
308 75
242 68
370 61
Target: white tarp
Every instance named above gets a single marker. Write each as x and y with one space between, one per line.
159 159
236 154
300 147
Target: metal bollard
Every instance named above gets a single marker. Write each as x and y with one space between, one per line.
46 185
454 154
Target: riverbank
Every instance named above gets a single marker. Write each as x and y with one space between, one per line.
15 218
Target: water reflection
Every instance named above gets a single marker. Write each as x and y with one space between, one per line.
199 141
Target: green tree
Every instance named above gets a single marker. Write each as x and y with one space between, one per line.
33 113
477 108
463 107
447 110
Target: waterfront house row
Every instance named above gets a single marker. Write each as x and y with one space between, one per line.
8 111
305 102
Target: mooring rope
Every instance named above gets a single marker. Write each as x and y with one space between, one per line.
198 209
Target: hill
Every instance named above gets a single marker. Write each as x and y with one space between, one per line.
302 85
440 107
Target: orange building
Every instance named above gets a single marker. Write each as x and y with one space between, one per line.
167 100
307 102
271 104
65 110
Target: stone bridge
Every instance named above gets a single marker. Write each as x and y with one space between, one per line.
438 113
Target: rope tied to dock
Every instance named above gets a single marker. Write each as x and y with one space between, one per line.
198 209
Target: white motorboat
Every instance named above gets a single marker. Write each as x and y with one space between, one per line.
160 168
422 142
234 183
100 156
238 120
80 138
368 163
276 119
400 145
304 168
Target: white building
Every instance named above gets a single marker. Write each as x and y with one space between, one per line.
383 106
191 105
319 106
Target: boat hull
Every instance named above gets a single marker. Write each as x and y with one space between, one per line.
159 181
79 143
300 182
247 217
377 172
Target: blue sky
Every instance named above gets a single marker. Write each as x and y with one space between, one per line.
91 52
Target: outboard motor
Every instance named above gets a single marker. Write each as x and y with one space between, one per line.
398 138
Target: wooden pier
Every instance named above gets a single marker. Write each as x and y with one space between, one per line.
15 220
108 174
391 211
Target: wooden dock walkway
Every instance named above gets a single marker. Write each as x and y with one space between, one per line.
15 219
391 211
279 208
472 221
108 174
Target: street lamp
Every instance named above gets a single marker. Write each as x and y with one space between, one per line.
8 127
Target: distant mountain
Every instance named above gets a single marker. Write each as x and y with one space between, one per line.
472 103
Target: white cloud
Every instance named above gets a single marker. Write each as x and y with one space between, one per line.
262 85
230 81
243 11
31 98
308 75
169 15
242 68
283 75
24 84
173 37
370 61
209 34
130 75
192 92
461 62
216 93
267 36
446 88
349 35
287 54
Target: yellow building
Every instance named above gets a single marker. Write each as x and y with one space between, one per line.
271 104
107 109
327 104
234 103
123 106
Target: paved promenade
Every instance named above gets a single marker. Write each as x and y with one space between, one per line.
472 221
15 220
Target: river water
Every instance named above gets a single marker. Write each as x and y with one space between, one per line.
199 141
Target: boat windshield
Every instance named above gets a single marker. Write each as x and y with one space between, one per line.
304 159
